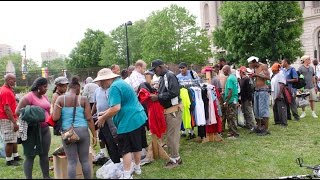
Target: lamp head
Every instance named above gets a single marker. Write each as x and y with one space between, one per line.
129 23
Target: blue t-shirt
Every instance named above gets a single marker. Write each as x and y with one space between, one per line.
291 73
67 117
131 115
101 99
187 76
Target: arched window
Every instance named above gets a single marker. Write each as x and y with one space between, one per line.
319 38
302 4
206 16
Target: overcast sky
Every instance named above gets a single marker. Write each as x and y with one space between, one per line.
60 25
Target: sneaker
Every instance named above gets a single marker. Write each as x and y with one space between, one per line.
12 163
191 136
137 170
170 165
263 133
303 114
18 158
314 115
145 161
98 156
122 177
183 135
179 161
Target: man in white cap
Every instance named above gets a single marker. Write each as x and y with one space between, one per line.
128 116
261 95
309 75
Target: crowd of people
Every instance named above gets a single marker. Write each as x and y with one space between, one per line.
114 108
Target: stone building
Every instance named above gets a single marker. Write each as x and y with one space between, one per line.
210 19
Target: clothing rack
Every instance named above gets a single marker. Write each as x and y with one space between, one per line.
190 82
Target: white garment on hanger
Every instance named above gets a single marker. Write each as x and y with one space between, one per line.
199 108
212 114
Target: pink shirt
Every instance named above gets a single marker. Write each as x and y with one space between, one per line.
42 102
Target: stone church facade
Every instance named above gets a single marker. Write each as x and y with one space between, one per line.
310 37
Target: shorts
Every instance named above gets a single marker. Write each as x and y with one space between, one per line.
313 95
261 104
7 133
131 141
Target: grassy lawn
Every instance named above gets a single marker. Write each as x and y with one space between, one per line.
250 156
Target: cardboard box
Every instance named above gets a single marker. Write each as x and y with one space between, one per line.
60 164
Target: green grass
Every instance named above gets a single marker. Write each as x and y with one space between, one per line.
250 156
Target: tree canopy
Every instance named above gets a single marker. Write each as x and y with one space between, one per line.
172 35
266 29
88 50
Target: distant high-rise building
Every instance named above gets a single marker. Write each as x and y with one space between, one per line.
6 50
310 38
51 54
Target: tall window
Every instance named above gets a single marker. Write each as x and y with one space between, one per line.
319 38
206 16
302 4
316 4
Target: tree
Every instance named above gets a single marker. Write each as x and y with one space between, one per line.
87 52
114 50
172 35
266 29
16 59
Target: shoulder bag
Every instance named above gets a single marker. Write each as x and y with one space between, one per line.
69 136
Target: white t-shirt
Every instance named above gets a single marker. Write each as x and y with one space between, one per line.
275 86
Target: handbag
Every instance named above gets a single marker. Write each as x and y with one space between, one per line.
69 136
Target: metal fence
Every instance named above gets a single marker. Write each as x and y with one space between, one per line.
83 73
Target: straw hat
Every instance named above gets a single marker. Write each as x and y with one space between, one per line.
105 74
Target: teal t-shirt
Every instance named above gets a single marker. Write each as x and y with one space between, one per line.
131 115
231 83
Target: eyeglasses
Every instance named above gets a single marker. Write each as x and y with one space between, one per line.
182 67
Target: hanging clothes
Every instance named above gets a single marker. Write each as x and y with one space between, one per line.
157 123
205 99
217 127
199 108
212 98
186 116
192 106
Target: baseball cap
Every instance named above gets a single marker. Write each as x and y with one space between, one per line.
182 65
155 64
275 67
243 69
252 58
61 80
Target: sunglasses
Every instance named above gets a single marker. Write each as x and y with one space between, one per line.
182 67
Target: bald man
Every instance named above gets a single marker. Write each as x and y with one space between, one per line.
8 120
115 69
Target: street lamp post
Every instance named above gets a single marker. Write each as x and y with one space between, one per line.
129 23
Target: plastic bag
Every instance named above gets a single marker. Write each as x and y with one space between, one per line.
241 121
111 170
302 102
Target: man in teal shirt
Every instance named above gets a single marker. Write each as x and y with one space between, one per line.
231 100
128 116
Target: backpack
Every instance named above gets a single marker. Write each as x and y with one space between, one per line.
301 82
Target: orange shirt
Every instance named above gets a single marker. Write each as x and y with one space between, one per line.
7 97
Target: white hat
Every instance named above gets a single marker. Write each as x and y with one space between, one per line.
250 59
61 80
105 74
